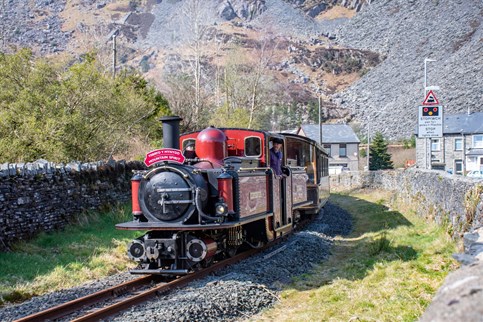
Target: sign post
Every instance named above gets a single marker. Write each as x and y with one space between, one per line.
430 122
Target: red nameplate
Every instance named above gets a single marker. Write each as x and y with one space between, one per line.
171 155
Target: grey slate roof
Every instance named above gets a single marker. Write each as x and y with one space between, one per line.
331 133
463 123
476 152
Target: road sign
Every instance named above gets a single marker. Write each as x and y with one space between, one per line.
430 99
430 122
430 111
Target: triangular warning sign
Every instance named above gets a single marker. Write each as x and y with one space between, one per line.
430 99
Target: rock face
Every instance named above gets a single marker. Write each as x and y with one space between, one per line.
245 10
403 32
33 23
314 7
407 32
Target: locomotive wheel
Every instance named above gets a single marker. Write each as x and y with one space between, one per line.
207 262
231 252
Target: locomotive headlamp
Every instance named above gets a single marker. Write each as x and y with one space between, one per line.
221 209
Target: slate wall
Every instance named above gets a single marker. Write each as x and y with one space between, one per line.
451 200
44 196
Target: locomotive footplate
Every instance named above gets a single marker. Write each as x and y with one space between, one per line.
133 225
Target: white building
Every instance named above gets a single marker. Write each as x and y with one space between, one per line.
341 143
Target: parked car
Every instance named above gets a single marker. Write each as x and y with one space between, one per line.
475 174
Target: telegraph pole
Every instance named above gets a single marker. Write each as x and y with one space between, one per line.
320 121
368 154
114 52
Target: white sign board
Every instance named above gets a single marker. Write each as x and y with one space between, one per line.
430 121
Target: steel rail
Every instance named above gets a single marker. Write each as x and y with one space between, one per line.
74 305
151 293
112 292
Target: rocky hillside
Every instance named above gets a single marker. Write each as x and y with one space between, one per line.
407 32
364 57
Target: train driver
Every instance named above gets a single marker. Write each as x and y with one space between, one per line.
276 157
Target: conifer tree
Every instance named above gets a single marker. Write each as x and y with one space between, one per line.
380 158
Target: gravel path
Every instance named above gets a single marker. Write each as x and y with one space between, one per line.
234 293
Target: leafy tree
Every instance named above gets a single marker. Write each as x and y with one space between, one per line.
64 113
380 158
237 117
409 143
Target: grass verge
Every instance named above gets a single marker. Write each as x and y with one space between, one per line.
90 249
387 269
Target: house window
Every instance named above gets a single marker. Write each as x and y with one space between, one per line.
458 144
342 150
478 141
458 166
327 147
435 145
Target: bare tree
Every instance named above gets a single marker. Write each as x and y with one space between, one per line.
248 83
264 54
194 15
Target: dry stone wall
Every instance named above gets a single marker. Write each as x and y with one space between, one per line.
450 200
43 196
454 201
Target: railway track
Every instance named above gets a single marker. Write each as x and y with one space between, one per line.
115 299
118 298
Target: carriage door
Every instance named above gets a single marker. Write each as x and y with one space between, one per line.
285 195
279 193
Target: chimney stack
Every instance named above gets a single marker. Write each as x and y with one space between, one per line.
171 131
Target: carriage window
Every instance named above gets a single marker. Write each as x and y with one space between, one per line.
188 142
253 147
322 166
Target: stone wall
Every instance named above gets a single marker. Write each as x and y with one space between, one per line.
450 200
43 196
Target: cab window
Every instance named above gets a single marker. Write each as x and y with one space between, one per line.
253 146
188 142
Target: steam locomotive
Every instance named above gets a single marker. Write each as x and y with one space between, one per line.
217 195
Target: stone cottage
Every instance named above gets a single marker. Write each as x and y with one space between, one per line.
459 150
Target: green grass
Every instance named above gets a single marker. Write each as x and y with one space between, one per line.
387 269
90 249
